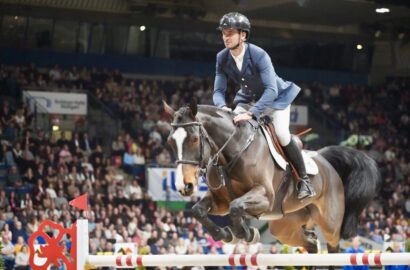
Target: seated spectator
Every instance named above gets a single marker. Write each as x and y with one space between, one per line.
139 158
19 231
355 248
60 200
118 146
18 154
22 259
51 191
87 145
78 177
13 177
133 190
6 114
6 232
19 244
20 120
163 158
13 202
128 161
4 201
7 253
39 192
55 74
76 144
397 249
28 177
25 201
65 154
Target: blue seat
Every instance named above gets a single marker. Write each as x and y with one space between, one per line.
9 190
21 191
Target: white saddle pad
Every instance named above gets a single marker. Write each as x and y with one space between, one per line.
310 164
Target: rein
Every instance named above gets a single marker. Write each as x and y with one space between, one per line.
224 169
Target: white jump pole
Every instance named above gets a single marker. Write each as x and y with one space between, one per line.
336 259
82 243
251 260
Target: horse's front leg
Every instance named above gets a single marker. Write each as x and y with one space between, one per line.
253 203
200 211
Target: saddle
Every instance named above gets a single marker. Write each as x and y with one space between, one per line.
281 159
278 153
266 122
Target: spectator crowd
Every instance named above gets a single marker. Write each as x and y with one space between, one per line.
45 171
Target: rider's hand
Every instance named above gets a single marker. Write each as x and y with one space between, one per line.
242 117
227 109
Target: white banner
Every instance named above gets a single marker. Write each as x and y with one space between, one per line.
161 185
298 115
57 103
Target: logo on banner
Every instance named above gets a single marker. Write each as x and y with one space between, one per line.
294 114
299 115
54 249
168 181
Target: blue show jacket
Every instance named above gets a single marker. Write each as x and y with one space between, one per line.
258 81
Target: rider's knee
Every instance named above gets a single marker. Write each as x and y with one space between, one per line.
284 136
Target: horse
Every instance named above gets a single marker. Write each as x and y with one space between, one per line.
244 181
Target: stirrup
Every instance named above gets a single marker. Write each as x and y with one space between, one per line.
307 192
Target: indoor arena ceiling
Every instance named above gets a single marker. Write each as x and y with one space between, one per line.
289 17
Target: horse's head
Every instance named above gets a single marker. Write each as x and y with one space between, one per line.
188 140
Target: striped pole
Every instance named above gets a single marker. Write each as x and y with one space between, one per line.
336 259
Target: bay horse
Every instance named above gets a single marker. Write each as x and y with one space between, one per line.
244 179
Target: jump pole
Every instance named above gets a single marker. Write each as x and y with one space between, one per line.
126 261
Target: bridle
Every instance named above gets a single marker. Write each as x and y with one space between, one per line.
214 159
203 136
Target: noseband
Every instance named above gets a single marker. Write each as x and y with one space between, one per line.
203 135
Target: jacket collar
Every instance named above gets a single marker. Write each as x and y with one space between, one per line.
245 63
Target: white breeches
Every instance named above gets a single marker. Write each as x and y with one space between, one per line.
281 120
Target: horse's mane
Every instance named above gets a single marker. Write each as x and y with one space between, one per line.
213 111
209 110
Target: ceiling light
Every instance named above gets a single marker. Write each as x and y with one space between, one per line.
378 33
359 46
142 28
401 35
16 17
382 10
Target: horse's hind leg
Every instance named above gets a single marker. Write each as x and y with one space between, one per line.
291 230
331 249
253 203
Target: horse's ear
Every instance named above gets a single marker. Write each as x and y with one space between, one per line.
193 106
168 109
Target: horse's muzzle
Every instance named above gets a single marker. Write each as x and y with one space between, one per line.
188 190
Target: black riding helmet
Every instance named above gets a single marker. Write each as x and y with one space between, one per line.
235 20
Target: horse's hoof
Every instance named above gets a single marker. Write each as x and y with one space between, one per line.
256 237
231 239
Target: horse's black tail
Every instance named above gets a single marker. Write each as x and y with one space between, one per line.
361 180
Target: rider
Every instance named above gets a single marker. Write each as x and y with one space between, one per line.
260 87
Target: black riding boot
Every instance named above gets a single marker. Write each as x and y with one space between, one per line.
304 186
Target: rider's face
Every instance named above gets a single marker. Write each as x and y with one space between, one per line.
232 37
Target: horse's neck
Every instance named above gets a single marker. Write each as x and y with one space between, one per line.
220 129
